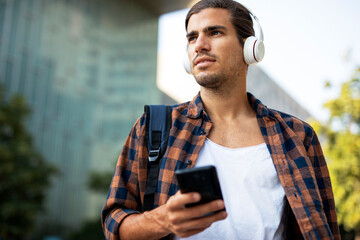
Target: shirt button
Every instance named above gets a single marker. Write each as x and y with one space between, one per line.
188 162
202 132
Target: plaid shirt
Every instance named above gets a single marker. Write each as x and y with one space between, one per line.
293 146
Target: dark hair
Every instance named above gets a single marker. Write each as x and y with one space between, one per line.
240 16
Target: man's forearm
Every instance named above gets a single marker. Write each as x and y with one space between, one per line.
173 217
148 225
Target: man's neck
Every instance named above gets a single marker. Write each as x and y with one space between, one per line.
227 106
234 121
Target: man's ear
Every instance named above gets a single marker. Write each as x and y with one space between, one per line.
254 50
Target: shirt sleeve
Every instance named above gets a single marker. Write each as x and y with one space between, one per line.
123 197
316 156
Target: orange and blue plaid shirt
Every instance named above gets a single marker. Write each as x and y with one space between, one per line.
293 146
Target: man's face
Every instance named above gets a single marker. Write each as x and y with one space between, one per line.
213 48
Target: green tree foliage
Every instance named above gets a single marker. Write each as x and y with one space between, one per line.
90 230
100 181
24 175
342 150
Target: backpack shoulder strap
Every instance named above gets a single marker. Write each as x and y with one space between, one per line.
157 129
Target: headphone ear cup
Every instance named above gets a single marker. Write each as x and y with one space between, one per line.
186 63
254 50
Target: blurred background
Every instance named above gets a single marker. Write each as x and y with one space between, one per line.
75 75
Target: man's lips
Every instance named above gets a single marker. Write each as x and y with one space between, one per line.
201 60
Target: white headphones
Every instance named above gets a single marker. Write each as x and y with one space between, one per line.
254 48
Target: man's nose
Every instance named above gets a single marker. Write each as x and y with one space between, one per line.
202 44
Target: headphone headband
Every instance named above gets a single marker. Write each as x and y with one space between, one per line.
261 35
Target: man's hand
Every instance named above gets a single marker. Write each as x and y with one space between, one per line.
185 222
173 217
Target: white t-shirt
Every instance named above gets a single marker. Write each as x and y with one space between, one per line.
254 198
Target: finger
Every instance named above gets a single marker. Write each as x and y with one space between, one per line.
204 209
179 200
200 223
190 233
185 214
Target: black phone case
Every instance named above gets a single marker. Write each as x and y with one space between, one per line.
203 180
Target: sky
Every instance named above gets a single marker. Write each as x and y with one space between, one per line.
306 42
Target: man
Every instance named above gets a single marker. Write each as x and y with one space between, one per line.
271 168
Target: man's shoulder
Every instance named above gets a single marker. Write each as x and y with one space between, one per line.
297 125
287 121
179 109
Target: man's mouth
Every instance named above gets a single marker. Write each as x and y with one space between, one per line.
203 61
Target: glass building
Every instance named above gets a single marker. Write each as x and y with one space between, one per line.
86 68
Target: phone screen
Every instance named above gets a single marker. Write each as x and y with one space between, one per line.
203 180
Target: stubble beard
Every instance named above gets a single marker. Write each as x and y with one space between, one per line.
209 80
224 81
221 83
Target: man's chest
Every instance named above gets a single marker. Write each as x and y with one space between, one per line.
236 135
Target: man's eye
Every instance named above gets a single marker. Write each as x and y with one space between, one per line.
190 39
214 33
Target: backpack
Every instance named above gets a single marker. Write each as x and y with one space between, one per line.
157 130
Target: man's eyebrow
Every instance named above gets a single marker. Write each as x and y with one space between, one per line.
190 34
207 29
215 27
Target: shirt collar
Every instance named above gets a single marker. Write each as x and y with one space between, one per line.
258 106
196 106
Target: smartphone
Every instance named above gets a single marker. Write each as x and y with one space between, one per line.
203 180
